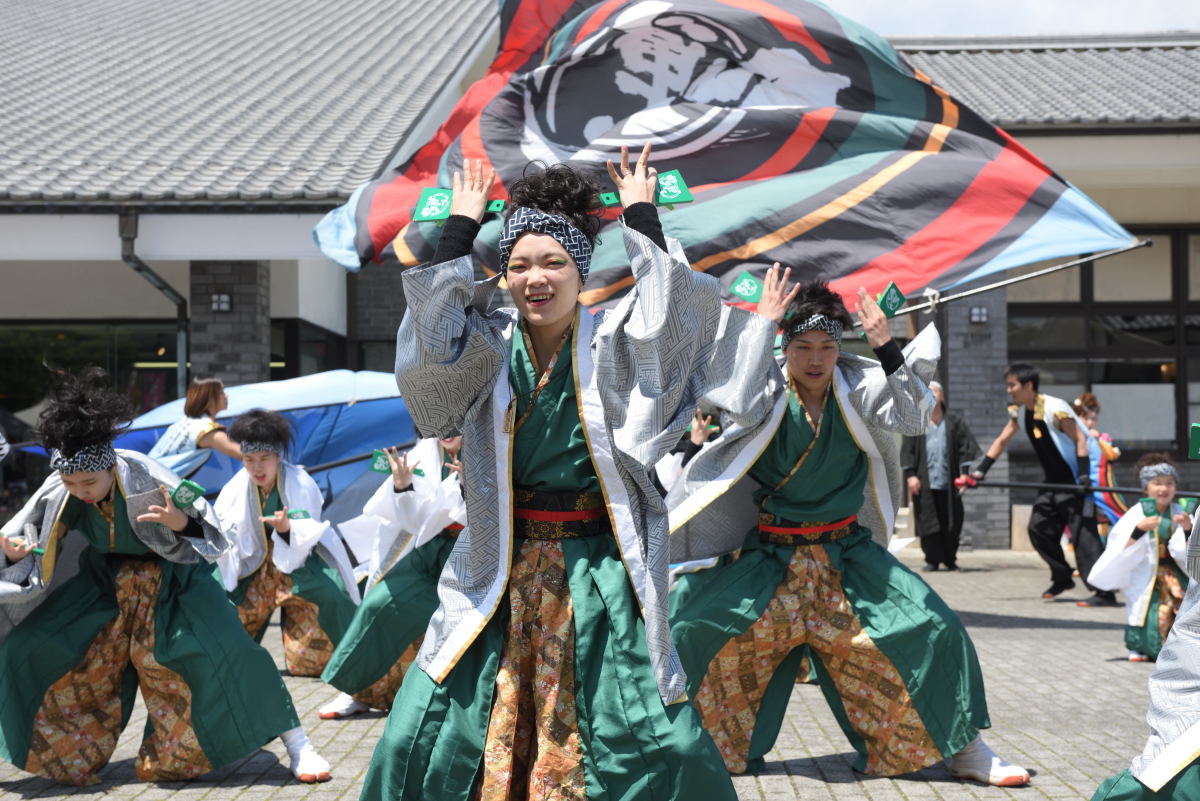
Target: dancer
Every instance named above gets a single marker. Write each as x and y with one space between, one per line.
419 509
142 610
1059 439
187 442
548 671
930 464
815 445
1101 455
284 556
1168 768
1144 558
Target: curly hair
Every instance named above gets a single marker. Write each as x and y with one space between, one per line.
815 297
1157 457
560 190
260 425
83 410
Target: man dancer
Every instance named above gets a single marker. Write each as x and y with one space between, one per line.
1059 439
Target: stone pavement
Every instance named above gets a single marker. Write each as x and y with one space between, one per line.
1063 700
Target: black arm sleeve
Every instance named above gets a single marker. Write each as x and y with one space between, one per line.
890 356
406 489
457 239
643 218
193 529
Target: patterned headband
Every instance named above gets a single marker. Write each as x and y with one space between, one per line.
88 459
817 322
1160 470
525 219
259 447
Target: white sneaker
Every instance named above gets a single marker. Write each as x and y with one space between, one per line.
306 764
979 762
344 706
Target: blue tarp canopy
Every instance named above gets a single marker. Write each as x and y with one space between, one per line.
335 415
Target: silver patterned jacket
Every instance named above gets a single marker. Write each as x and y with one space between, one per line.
876 408
639 372
1174 714
40 521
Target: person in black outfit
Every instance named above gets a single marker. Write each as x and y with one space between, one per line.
930 464
1054 430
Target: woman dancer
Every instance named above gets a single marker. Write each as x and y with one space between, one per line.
419 510
284 555
1144 558
142 611
894 662
548 671
185 445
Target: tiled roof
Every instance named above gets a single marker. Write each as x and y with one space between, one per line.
217 101
1072 81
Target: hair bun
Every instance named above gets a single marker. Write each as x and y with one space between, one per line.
562 190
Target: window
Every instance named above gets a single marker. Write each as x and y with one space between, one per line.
140 357
1121 328
1060 286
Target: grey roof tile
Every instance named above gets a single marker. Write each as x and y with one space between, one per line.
217 100
1081 81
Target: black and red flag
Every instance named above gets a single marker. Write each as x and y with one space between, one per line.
804 137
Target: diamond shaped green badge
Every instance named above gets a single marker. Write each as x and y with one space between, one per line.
299 514
434 204
496 206
747 287
673 189
379 462
1188 505
891 299
1149 507
186 494
610 199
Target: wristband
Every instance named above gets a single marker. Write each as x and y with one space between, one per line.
985 464
1084 469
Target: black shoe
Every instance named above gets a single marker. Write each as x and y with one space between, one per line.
929 567
1099 599
1057 588
952 566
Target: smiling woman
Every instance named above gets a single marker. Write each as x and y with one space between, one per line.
548 668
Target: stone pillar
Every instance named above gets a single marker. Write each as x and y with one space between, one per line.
379 302
231 342
975 357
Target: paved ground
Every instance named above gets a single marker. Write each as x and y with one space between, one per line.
1064 702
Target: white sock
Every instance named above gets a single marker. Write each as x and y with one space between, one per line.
342 707
304 758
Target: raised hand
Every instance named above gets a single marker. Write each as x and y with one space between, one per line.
637 184
402 471
471 189
168 514
278 521
776 297
455 465
874 321
699 431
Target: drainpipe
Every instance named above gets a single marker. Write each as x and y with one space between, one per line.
127 226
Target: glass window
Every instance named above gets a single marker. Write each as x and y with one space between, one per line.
1060 286
1133 329
1137 400
1041 331
140 357
1142 274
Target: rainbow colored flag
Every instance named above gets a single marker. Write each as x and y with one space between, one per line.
803 136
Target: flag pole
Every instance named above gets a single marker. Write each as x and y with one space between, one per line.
932 304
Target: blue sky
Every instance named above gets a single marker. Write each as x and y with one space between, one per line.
1004 17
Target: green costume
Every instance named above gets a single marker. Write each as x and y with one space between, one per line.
73 666
894 662
588 642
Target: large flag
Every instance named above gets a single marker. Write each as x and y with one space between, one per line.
804 137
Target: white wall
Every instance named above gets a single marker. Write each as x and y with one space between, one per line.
1151 178
312 290
32 290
